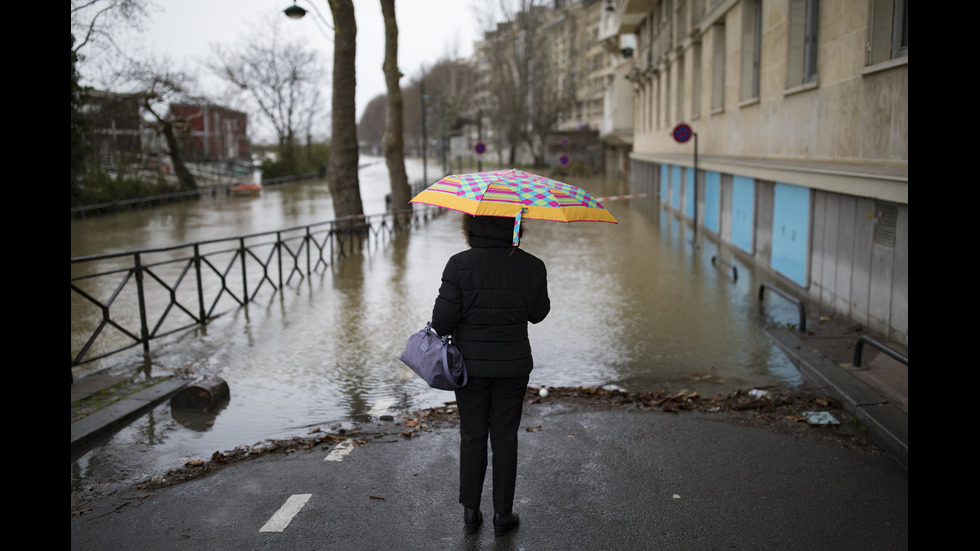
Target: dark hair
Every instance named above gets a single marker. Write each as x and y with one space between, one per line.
487 225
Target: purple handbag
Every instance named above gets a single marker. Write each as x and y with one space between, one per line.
435 359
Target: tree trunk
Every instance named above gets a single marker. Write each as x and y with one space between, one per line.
394 140
342 166
184 176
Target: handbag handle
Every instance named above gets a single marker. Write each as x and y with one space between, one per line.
445 355
445 365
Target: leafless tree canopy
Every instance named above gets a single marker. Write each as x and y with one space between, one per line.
280 80
93 22
532 65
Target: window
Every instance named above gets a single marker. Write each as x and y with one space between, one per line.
888 30
696 81
751 48
718 68
804 23
681 60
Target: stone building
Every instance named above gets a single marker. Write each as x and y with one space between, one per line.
799 110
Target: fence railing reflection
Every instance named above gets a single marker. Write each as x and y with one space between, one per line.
127 299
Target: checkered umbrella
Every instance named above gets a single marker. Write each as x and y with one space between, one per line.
517 194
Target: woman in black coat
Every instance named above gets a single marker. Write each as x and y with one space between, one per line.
489 293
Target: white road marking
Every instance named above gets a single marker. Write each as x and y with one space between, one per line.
285 514
341 451
381 406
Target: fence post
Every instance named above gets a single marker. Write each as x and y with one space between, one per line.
144 328
200 282
279 250
308 238
241 252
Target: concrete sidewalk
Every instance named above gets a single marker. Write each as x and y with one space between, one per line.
589 478
875 395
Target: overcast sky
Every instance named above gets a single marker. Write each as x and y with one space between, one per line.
184 31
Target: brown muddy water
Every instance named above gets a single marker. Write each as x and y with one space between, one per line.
634 305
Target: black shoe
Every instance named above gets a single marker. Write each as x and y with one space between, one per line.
472 519
503 523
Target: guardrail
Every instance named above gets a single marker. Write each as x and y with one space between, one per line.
787 296
865 339
717 260
123 300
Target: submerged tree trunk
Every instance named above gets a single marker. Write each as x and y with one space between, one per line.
394 140
184 176
342 166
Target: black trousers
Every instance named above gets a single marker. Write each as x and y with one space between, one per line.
489 406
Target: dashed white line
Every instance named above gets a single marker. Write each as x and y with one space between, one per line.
381 406
341 451
285 514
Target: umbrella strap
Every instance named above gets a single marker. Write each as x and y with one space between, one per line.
517 228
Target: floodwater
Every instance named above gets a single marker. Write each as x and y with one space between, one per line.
634 305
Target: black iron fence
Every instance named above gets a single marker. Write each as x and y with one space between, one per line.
123 300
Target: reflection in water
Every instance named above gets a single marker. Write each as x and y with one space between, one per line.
633 305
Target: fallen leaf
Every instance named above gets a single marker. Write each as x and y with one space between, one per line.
377 497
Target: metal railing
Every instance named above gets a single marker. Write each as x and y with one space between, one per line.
787 296
123 300
884 348
715 260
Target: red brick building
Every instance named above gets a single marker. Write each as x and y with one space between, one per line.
215 133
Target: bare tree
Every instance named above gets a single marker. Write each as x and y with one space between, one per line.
532 68
342 166
95 22
280 78
394 142
162 87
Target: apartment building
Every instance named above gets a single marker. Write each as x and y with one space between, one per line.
799 110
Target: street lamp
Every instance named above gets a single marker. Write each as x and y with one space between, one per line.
294 12
297 12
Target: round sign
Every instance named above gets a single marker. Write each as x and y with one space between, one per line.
563 160
682 132
480 148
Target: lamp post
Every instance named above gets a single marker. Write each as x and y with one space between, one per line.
425 170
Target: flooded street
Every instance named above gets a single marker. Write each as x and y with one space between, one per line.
633 305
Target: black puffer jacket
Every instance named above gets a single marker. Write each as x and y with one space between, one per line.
489 293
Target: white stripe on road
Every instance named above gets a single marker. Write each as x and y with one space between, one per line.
381 406
285 514
342 449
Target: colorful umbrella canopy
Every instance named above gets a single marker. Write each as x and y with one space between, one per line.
514 193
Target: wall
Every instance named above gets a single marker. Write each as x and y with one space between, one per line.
854 253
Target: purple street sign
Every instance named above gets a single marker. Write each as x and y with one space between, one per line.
480 148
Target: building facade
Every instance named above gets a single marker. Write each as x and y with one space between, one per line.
213 133
799 110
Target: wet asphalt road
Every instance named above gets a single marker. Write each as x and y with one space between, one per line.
590 479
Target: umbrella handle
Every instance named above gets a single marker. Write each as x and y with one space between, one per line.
517 227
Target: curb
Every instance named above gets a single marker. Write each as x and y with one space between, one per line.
886 425
88 430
